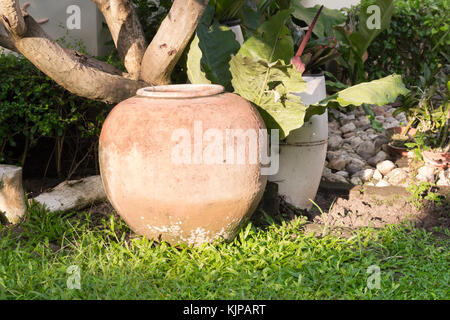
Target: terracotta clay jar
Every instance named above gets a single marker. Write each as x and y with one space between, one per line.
163 169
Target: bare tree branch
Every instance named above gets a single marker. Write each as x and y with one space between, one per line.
12 17
126 32
171 39
90 78
5 40
81 75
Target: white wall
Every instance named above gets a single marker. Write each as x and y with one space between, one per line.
332 4
90 31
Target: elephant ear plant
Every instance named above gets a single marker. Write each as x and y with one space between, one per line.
265 71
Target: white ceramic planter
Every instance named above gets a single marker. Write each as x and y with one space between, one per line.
302 154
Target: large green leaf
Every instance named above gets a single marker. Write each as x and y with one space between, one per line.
272 41
194 70
227 9
270 86
217 43
210 53
328 19
379 92
366 30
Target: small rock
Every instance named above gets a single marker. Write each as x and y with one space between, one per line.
444 178
347 118
344 174
380 140
426 174
363 121
355 165
390 119
397 176
377 175
379 157
385 167
401 117
349 135
382 183
378 110
349 127
333 155
356 181
334 142
366 149
332 132
365 175
385 148
333 125
337 164
359 112
328 175
355 141
388 125
379 119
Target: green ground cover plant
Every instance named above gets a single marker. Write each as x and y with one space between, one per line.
266 261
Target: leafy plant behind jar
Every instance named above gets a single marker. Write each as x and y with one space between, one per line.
33 106
353 33
261 72
419 35
427 107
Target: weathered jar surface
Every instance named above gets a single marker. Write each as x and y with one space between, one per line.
163 169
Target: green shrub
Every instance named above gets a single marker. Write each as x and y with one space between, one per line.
417 36
33 106
151 15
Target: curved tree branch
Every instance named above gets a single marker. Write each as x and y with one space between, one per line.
126 32
91 78
5 40
171 39
79 74
12 18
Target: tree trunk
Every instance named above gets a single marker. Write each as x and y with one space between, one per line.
91 78
171 39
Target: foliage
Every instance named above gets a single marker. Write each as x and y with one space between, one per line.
210 52
318 53
33 106
271 87
328 19
151 14
227 9
277 262
423 191
418 36
355 37
427 107
262 73
379 92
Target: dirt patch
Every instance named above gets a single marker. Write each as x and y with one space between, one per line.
377 209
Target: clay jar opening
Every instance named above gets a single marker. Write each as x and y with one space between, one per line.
181 91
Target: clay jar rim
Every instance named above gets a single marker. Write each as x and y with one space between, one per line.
180 91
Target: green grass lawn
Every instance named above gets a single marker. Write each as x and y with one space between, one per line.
276 261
